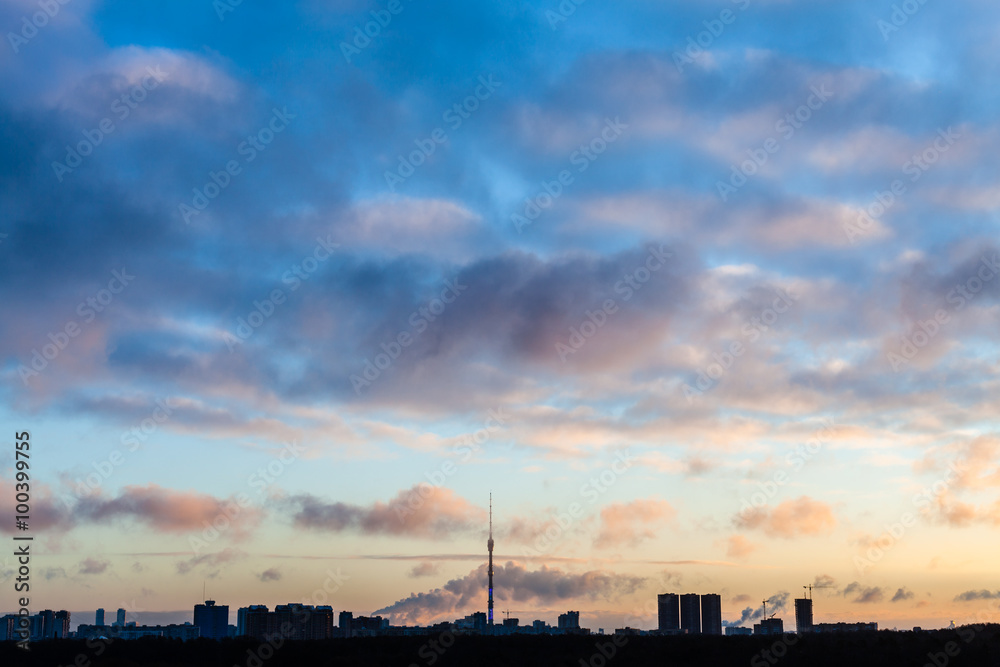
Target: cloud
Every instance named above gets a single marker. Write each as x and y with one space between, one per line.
46 513
862 594
902 594
421 511
424 569
270 574
229 555
981 594
802 516
512 584
168 510
92 566
629 524
738 546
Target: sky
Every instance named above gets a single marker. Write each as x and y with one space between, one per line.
704 293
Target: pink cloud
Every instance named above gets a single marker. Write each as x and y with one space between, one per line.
738 546
801 516
169 510
421 511
632 523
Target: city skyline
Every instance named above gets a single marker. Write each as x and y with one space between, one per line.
582 303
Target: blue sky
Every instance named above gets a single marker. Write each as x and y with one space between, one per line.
597 239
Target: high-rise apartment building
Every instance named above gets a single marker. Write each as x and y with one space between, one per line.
803 615
668 612
711 614
569 621
212 619
691 613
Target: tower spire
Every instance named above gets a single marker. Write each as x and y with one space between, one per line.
489 545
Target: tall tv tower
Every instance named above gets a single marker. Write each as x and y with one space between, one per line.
489 545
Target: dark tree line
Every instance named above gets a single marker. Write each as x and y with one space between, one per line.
971 645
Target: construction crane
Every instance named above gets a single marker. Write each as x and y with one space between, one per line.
810 588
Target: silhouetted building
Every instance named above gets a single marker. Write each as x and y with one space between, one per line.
668 611
242 619
569 621
803 615
120 621
46 624
769 626
61 630
474 621
369 626
99 617
738 631
8 628
289 621
511 623
212 620
711 614
691 613
345 621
